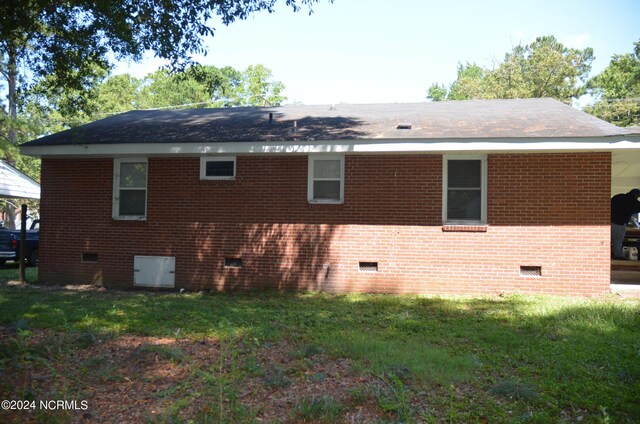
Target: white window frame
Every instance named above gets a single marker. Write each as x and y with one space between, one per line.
203 166
311 179
116 189
483 189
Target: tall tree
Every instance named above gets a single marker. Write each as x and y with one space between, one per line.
67 42
72 43
197 86
468 85
618 90
257 87
544 68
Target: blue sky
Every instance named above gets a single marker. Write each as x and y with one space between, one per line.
368 51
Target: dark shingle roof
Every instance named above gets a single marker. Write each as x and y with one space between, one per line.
474 119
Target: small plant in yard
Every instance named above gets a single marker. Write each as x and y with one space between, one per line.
394 396
170 353
514 390
309 351
252 367
359 395
99 369
325 409
276 376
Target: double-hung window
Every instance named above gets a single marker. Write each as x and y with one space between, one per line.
130 189
326 179
464 189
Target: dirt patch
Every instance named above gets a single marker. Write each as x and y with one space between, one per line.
138 379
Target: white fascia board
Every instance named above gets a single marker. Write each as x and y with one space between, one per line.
339 147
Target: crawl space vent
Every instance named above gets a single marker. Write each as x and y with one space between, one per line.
89 258
233 262
368 266
531 271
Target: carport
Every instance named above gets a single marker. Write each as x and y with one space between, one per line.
625 175
15 184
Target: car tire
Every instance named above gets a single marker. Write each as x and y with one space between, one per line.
34 258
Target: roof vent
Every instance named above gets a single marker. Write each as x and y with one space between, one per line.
404 126
270 117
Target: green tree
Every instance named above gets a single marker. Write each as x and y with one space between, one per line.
257 87
65 43
221 83
71 44
618 90
197 86
437 92
163 89
469 84
544 68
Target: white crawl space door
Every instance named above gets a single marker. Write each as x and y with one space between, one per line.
154 271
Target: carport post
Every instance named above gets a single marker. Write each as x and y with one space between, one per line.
23 241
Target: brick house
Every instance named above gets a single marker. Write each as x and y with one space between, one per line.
453 197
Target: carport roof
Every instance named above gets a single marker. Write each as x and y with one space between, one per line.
474 119
14 183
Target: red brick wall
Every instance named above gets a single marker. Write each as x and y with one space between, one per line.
546 210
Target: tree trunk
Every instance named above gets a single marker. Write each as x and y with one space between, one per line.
12 79
12 136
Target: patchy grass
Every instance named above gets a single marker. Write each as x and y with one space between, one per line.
312 357
10 271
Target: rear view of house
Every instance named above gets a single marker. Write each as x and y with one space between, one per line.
452 197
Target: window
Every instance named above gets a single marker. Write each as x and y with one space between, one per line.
130 189
217 168
465 190
326 179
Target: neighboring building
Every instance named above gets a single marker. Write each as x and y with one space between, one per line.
452 197
15 185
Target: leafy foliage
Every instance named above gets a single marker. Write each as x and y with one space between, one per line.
60 51
196 86
618 89
69 39
544 68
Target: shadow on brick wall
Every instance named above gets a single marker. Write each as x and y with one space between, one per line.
259 256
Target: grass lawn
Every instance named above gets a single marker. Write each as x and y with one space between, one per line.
316 357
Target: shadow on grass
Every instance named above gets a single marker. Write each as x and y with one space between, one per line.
580 354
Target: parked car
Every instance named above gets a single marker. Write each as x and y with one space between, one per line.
10 244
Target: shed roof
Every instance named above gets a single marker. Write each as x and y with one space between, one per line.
14 183
473 119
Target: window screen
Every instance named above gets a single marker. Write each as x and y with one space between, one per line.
325 179
464 190
218 168
130 189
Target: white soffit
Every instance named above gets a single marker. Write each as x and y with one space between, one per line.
625 171
14 183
